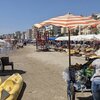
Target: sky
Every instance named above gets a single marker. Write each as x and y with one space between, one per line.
20 15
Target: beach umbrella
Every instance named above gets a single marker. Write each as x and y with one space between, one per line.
2 41
52 38
71 22
64 38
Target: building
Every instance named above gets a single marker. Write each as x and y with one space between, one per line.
18 35
53 30
29 34
64 30
23 35
34 31
96 16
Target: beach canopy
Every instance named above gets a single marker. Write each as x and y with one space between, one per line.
70 21
2 41
66 38
80 38
52 38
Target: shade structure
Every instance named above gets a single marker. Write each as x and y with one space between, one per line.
70 21
79 38
52 38
65 38
2 41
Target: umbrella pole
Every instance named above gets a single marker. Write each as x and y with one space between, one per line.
69 47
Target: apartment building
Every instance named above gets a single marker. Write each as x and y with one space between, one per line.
18 35
53 30
29 34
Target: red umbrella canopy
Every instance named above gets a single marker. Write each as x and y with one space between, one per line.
70 21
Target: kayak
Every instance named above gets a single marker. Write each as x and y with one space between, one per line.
11 88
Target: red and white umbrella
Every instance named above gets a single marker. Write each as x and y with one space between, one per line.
70 21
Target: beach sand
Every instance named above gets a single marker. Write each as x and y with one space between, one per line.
42 73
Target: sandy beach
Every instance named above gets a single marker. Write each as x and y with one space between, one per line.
42 73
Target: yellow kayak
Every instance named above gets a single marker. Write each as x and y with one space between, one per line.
10 88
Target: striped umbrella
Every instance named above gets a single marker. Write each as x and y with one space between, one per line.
70 21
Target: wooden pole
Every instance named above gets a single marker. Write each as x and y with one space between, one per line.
37 40
69 47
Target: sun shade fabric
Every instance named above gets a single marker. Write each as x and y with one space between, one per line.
52 38
70 21
79 38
